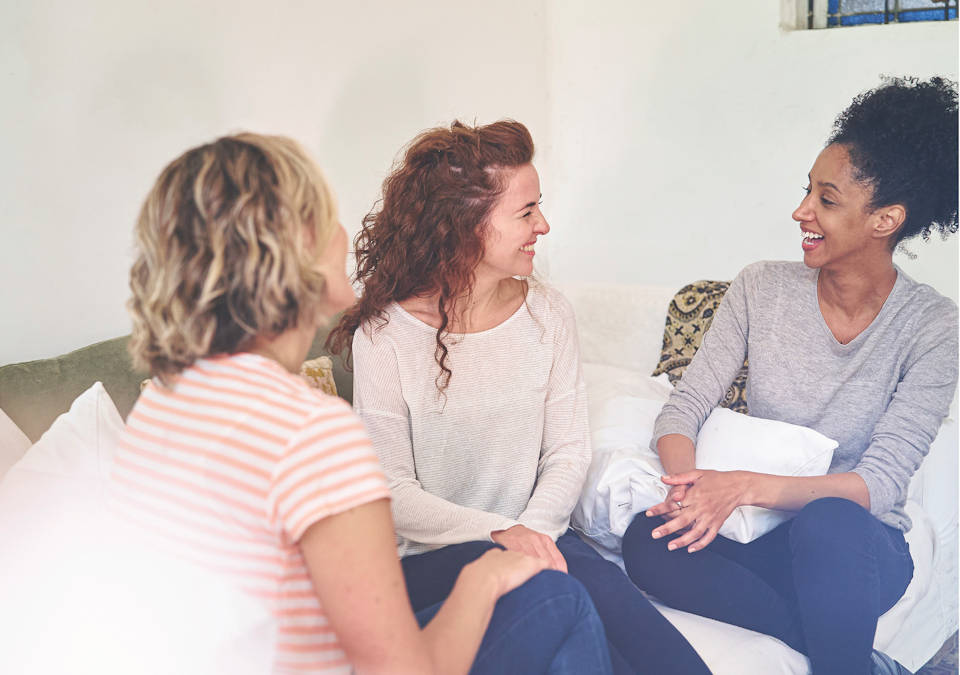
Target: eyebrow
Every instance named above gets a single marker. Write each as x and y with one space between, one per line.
823 183
529 205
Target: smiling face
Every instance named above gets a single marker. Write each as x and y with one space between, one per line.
514 225
837 225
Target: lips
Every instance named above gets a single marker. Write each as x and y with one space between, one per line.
810 240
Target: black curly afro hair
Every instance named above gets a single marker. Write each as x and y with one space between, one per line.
902 140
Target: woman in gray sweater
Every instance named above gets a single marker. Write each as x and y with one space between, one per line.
846 344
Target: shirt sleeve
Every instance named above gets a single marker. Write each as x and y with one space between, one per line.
327 468
565 449
713 367
902 436
378 399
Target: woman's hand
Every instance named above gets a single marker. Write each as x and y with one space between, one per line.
711 496
508 569
670 507
531 542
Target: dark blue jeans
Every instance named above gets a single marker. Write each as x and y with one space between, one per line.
640 639
818 582
547 625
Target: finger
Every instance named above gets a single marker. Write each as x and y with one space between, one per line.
528 563
683 519
704 541
661 508
559 560
695 533
687 478
534 546
556 558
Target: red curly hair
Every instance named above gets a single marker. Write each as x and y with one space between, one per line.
427 236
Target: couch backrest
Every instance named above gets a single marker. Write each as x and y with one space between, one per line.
34 393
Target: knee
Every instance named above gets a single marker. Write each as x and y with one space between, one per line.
642 554
641 529
549 586
638 541
828 522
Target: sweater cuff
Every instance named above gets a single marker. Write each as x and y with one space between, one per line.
551 529
503 524
881 500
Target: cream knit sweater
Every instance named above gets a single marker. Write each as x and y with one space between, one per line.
508 443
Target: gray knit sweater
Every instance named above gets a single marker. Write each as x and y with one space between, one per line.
882 396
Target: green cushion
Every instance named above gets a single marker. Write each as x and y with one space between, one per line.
34 393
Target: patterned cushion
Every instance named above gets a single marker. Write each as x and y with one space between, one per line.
318 373
688 317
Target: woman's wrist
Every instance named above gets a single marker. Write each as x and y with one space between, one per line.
677 453
477 582
752 492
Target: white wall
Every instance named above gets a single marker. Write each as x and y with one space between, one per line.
683 133
673 138
100 95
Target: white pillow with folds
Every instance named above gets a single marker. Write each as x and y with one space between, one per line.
624 477
80 443
13 443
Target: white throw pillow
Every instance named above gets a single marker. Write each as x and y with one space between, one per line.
13 443
80 443
624 477
76 577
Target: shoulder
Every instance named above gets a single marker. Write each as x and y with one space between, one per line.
933 312
772 283
549 301
379 330
767 273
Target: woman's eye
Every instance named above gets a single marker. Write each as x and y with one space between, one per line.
826 202
806 189
526 214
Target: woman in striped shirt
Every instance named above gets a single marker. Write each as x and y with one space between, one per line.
232 458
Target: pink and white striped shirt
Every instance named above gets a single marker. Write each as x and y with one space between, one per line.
232 464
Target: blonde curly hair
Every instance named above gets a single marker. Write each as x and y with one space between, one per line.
227 244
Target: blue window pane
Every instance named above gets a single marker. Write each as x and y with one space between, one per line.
860 12
860 19
926 15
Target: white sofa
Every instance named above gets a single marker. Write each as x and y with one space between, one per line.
621 329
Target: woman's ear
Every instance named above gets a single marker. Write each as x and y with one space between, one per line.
889 220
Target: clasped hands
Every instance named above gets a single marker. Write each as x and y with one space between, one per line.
699 501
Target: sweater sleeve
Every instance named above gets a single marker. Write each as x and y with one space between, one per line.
378 400
713 367
902 435
565 450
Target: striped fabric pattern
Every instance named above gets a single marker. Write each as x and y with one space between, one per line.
232 464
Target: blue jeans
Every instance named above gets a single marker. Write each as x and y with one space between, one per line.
818 582
640 639
547 625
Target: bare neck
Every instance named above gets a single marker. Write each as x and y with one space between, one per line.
857 291
490 303
289 348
